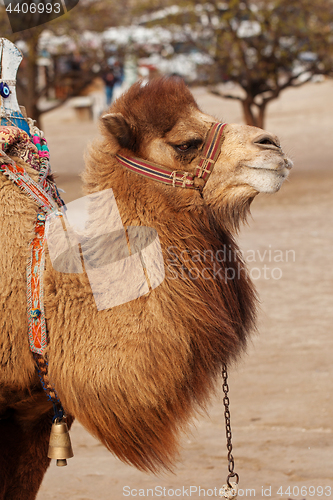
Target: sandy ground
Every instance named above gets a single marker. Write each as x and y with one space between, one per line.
281 390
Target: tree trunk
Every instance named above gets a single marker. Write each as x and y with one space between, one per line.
261 114
249 117
253 113
31 102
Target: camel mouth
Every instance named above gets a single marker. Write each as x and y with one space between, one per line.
279 164
282 170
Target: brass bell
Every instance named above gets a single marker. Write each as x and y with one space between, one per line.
60 446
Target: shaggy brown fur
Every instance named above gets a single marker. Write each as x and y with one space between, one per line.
133 375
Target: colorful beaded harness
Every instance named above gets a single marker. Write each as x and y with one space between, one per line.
35 152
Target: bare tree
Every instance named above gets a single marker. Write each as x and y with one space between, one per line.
263 46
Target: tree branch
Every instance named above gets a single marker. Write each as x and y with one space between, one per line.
225 96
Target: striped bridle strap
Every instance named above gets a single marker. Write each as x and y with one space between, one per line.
176 178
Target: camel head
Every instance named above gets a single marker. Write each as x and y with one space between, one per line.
161 122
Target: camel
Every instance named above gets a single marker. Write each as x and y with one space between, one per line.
135 375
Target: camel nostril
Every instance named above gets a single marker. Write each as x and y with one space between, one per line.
267 142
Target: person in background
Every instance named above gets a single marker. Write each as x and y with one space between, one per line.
110 81
118 72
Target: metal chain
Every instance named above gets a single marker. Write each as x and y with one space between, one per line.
226 402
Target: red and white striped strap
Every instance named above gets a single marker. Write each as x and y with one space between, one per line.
176 178
211 151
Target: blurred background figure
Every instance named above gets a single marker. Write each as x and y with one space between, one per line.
110 80
118 72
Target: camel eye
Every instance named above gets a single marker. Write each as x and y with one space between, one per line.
190 145
183 147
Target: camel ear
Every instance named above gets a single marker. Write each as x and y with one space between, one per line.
120 129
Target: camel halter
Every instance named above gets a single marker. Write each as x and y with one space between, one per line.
211 152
